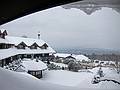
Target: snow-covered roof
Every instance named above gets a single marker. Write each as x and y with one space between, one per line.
33 65
77 57
3 40
27 41
64 55
81 57
5 53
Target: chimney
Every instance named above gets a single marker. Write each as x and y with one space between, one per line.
38 35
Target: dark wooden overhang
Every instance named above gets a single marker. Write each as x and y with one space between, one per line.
13 9
22 43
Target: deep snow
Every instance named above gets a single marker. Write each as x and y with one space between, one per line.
10 80
56 80
82 79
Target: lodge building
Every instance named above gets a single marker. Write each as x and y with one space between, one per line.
13 48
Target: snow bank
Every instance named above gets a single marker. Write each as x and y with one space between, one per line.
54 80
82 79
10 80
66 78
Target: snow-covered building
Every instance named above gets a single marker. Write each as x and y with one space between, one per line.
70 58
3 33
73 56
12 48
34 67
83 60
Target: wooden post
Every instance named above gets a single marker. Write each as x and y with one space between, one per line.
41 74
2 63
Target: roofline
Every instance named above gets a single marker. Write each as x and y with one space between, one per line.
37 70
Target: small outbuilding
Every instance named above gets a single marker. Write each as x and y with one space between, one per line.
34 67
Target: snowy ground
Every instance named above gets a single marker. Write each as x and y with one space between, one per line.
109 73
57 80
10 80
82 79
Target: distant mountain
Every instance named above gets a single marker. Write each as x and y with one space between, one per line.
88 51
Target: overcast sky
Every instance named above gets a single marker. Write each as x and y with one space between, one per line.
70 28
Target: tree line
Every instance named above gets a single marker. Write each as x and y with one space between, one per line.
104 57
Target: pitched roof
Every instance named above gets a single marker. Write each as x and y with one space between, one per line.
4 41
81 57
77 57
27 41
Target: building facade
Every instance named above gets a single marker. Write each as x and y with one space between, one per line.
13 48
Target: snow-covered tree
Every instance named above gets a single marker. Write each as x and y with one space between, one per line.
73 66
100 72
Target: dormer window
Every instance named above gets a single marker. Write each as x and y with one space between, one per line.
44 46
34 46
22 45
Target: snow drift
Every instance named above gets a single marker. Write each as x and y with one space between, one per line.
10 80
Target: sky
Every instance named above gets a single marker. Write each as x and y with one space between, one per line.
70 28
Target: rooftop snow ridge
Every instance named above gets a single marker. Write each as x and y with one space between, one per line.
27 41
3 40
77 57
